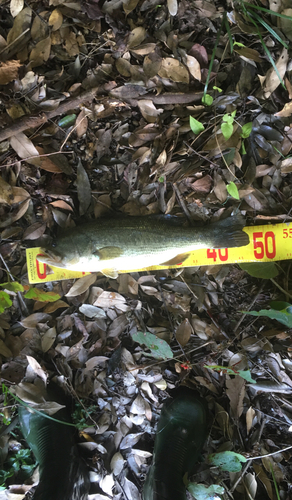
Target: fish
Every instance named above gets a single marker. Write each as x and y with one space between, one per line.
110 245
182 430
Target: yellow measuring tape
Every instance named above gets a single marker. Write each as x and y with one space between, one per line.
267 243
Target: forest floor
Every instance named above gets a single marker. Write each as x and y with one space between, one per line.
144 107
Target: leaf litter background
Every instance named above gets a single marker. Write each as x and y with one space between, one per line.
95 106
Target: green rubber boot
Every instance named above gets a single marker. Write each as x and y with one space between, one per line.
63 475
181 433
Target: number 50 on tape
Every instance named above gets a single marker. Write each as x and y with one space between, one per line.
266 243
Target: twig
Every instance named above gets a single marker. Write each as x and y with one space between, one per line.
250 306
240 477
280 288
182 203
36 121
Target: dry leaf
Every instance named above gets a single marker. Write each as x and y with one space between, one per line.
83 189
25 149
81 285
285 112
194 67
81 123
37 368
16 6
136 37
271 81
174 70
6 194
48 338
148 110
250 414
184 332
56 19
41 52
8 71
21 23
172 7
61 204
111 299
235 390
202 185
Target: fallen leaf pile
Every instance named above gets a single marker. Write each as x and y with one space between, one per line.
145 108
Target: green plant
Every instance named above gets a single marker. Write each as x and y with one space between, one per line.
80 415
21 463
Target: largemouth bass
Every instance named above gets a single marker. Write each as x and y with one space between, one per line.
124 243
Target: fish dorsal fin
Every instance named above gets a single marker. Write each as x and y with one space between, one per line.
110 272
178 259
108 253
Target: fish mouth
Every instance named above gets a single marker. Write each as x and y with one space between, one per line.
46 257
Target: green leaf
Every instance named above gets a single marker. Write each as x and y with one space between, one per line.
227 130
243 150
227 118
217 88
196 126
67 121
279 305
229 156
159 349
227 461
245 374
284 316
5 301
202 492
12 286
264 270
246 130
41 296
207 99
238 44
232 190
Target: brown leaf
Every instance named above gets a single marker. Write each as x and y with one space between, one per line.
271 81
199 52
55 19
41 52
34 231
136 37
172 7
83 189
235 390
183 332
202 185
25 149
6 194
21 23
174 70
130 5
148 110
81 285
248 53
81 123
8 71
61 204
194 67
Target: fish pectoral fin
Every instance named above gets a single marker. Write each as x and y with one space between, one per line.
110 272
178 259
108 253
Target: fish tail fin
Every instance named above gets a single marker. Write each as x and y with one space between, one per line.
228 233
